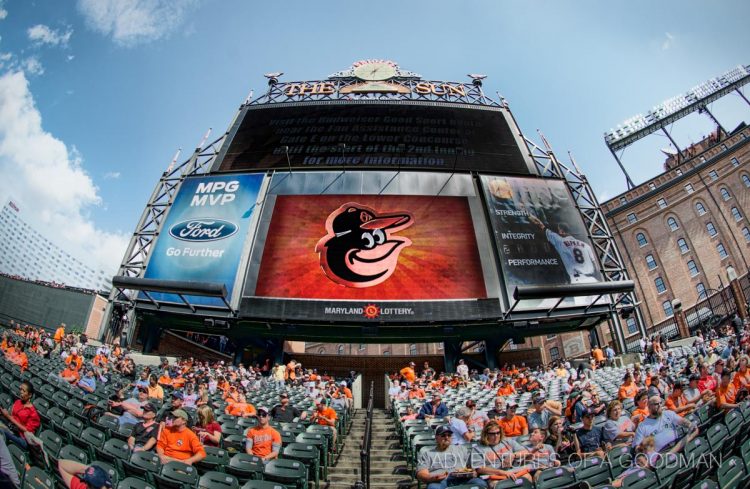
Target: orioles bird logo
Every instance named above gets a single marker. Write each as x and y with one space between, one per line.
360 249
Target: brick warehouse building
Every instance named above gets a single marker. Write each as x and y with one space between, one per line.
683 230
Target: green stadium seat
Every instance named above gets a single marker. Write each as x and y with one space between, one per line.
233 443
134 483
245 467
51 444
36 478
113 451
72 452
619 459
72 427
123 432
90 439
731 474
176 475
114 475
142 464
260 484
520 483
593 470
705 484
20 461
291 473
666 469
218 480
641 479
308 455
555 478
717 435
215 457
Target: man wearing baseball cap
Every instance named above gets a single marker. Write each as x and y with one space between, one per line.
513 424
460 428
444 464
143 436
434 408
178 442
79 476
590 437
263 440
284 412
408 374
177 402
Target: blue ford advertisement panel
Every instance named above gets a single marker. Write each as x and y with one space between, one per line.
204 234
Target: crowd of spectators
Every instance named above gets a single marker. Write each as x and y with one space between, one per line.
649 414
56 285
171 408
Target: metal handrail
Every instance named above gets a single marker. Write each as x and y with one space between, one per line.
364 454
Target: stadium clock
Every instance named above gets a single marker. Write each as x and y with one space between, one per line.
375 71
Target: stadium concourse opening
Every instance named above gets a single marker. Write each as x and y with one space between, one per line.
373 206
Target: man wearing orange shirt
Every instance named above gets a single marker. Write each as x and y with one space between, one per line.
70 375
325 416
725 393
59 335
677 401
21 359
628 389
74 360
178 442
598 355
511 423
506 388
408 373
343 395
241 408
263 440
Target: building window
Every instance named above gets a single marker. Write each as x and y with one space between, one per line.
551 336
701 289
693 268
340 350
713 175
725 194
667 306
672 223
652 186
650 262
689 188
632 326
700 208
723 147
362 347
678 172
746 234
321 351
662 203
722 251
735 162
711 229
683 245
736 214
641 238
623 200
632 218
746 180
660 287
412 349
554 353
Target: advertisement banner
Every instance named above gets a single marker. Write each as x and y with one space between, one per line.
204 234
540 235
370 247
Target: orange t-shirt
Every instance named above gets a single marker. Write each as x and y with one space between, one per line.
739 377
513 427
59 334
263 440
408 374
100 360
76 360
328 413
725 395
627 391
598 355
179 444
639 415
673 406
240 409
23 361
69 372
505 391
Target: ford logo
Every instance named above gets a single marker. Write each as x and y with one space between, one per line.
203 230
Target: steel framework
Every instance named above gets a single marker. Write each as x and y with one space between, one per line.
548 165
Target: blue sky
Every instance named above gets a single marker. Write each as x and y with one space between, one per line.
96 95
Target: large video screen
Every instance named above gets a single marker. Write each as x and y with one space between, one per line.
387 253
540 235
373 136
203 236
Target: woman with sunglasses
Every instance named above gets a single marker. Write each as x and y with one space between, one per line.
497 456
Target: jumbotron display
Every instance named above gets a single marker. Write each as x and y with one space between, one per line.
407 136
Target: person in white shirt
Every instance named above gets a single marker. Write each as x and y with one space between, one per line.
458 425
670 431
462 370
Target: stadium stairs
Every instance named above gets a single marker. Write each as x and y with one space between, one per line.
387 464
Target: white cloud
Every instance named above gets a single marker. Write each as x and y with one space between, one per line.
48 180
3 12
112 175
131 22
33 66
667 42
41 34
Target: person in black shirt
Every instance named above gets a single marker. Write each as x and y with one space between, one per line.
498 411
284 413
143 436
590 436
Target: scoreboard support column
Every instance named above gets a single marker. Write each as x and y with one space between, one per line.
452 353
